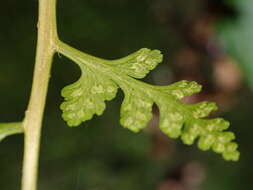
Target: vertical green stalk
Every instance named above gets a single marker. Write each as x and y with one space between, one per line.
47 35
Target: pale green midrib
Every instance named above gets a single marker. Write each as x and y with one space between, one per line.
98 64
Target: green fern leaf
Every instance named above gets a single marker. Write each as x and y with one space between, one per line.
138 64
87 96
136 110
101 78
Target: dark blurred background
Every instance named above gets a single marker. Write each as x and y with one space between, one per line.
209 41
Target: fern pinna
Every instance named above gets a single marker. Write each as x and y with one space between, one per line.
101 79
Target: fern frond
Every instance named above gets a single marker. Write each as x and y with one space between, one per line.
101 79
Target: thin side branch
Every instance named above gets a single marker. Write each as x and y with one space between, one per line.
7 129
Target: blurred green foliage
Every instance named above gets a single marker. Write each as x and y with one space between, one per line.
101 155
237 36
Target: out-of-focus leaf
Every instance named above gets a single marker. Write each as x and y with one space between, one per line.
237 37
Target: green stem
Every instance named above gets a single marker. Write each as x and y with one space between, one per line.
12 128
47 35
